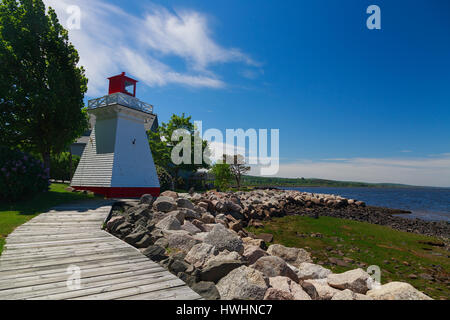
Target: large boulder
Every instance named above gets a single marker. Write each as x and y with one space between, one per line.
319 289
293 256
184 203
216 269
272 266
170 194
243 283
308 270
165 204
200 253
169 223
181 241
222 239
287 285
253 253
350 295
356 280
397 291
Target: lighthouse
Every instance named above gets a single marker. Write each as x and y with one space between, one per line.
117 161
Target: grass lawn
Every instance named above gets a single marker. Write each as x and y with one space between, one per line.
13 215
401 256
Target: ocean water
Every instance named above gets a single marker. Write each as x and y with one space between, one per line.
424 203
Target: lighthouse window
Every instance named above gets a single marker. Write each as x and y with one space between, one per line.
129 87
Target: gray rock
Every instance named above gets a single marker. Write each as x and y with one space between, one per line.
356 280
114 222
287 285
169 223
162 242
155 253
200 253
134 237
190 214
217 269
293 256
350 295
178 214
222 239
181 241
272 266
308 270
139 211
397 291
243 283
275 294
146 199
165 204
144 242
185 203
199 225
178 266
190 227
253 253
207 218
319 289
207 290
200 236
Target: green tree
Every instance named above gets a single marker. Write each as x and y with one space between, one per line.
41 87
162 145
222 175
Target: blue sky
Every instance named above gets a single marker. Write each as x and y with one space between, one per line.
350 103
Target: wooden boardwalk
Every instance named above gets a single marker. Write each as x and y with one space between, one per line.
41 255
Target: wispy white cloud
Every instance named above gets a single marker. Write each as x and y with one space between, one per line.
433 171
112 40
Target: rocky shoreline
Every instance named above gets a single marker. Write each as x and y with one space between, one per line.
201 239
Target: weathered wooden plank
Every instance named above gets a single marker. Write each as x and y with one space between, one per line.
109 292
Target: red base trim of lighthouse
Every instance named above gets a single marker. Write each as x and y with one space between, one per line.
120 192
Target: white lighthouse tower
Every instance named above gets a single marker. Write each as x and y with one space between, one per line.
117 161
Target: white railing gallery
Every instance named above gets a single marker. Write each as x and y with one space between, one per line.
122 99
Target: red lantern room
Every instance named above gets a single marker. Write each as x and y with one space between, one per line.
122 83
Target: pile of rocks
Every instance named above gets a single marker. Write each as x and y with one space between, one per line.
260 205
202 241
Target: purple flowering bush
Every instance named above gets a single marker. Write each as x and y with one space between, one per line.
21 175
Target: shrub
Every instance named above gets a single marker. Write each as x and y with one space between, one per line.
60 166
165 179
21 175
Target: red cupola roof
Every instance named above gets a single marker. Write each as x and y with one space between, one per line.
121 83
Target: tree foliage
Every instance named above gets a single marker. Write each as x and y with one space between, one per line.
41 87
222 175
162 145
